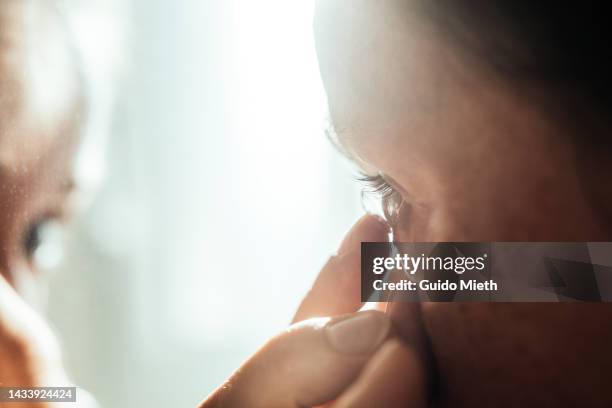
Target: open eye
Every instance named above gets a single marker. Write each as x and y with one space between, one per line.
32 238
42 244
391 200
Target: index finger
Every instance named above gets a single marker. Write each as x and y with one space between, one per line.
337 288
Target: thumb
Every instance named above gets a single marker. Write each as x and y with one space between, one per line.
309 364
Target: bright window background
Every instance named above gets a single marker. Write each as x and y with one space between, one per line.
222 200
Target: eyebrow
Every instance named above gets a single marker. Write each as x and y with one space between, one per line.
331 133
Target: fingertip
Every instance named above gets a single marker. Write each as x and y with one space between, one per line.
358 333
335 291
337 287
379 306
369 228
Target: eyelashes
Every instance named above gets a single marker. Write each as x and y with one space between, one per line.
390 199
376 185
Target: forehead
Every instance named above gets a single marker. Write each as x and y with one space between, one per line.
38 82
402 97
372 56
384 71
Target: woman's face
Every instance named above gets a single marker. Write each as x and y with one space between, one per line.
39 121
473 157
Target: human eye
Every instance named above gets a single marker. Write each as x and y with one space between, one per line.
42 242
390 199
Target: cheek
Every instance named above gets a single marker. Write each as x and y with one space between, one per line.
10 220
519 349
420 223
411 224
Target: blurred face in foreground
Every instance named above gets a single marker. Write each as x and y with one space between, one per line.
39 120
462 153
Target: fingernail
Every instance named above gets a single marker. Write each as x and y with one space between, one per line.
369 228
359 333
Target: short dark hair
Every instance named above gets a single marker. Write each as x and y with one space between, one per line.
562 45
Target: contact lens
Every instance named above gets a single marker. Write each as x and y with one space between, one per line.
388 207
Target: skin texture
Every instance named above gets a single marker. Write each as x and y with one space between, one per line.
40 116
476 157
473 155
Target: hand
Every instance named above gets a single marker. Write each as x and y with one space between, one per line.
29 352
398 375
354 358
